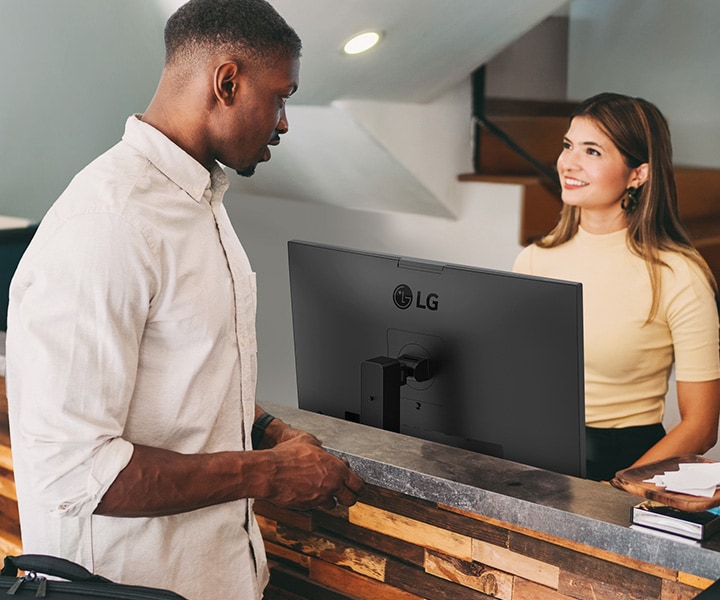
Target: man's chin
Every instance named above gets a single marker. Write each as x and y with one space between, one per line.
246 172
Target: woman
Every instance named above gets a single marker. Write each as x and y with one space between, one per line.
648 296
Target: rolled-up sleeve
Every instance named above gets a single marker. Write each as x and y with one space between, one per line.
78 313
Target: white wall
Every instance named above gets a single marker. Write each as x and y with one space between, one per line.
485 234
663 50
71 71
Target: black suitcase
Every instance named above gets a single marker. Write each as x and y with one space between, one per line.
81 584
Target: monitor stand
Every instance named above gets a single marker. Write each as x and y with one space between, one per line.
380 381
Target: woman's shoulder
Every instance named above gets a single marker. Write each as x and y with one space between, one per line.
523 261
681 265
682 271
539 260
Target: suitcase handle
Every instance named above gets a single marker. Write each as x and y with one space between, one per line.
49 565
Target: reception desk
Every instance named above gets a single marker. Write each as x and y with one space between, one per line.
439 522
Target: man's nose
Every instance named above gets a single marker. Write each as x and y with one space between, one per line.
283 125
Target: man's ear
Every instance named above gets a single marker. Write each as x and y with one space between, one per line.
226 82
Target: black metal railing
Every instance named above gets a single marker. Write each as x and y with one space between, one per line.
548 174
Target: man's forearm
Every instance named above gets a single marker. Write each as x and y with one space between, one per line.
160 482
295 472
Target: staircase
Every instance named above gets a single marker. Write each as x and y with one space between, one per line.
537 128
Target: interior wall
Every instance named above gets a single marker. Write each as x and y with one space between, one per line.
663 50
534 67
70 77
484 234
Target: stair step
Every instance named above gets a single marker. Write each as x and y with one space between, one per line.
502 178
704 231
541 137
698 192
498 107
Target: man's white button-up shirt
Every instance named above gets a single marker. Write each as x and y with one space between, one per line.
132 321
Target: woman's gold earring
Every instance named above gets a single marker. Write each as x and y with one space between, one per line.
630 200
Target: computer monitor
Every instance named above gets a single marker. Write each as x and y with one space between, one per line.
486 360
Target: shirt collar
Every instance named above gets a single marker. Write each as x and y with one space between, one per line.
176 164
605 240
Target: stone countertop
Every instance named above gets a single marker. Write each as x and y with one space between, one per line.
582 511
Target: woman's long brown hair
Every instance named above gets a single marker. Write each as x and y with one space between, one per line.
641 134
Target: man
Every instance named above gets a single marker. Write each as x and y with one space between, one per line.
131 339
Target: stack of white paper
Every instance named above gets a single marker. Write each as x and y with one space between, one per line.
696 479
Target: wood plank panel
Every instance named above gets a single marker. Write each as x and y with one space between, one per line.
294 518
588 572
333 550
284 553
523 565
7 485
428 586
694 580
427 512
326 522
362 587
602 587
9 519
528 590
410 530
283 578
273 592
10 545
673 590
471 575
637 565
6 457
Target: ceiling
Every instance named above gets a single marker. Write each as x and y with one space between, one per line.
428 47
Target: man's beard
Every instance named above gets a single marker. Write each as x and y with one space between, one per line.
246 172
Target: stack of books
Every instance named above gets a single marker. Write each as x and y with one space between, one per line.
683 526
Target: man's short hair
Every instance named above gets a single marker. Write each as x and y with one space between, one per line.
251 27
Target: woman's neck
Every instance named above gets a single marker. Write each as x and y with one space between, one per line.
597 222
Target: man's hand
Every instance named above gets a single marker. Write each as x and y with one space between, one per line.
302 475
278 432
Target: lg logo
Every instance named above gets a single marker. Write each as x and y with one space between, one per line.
403 297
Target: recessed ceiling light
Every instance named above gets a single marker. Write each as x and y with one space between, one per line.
361 42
